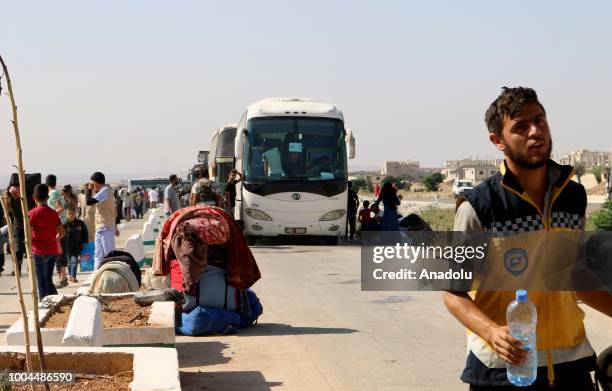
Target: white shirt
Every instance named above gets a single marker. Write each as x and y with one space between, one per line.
153 196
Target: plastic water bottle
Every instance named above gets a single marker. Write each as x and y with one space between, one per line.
522 318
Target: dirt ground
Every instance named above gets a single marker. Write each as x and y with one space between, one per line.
115 313
118 382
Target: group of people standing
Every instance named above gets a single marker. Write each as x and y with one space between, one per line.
135 203
203 191
370 216
63 223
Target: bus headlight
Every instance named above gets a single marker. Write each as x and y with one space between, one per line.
257 214
333 215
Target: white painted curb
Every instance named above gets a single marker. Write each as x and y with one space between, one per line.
135 246
85 323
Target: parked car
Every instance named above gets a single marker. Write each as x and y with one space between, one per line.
460 186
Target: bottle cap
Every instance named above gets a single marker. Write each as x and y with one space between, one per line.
521 295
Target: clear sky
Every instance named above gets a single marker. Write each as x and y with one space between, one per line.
139 86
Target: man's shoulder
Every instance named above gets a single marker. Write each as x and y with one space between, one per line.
466 218
576 187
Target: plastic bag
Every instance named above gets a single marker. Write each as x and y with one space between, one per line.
87 257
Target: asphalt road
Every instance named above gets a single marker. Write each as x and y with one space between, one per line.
319 331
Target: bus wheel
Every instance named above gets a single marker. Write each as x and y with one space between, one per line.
331 240
251 240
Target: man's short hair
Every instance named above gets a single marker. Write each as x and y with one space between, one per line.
51 180
509 103
204 173
41 192
98 177
172 178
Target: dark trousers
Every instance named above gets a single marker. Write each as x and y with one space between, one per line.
44 275
50 267
18 255
73 261
577 382
350 224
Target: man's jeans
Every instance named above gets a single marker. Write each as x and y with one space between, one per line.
73 261
44 275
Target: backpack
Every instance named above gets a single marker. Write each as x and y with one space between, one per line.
206 193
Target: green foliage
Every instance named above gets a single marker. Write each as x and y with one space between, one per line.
432 181
580 169
602 219
398 182
597 172
361 183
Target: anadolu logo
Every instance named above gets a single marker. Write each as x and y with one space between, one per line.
516 261
296 196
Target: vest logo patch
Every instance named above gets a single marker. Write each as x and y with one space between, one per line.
515 261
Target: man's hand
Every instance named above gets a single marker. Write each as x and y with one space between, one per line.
506 346
117 233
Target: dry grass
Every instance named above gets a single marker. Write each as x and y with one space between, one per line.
440 219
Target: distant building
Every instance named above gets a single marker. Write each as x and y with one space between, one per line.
586 157
475 170
401 169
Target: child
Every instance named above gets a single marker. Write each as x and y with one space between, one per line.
76 236
46 230
365 217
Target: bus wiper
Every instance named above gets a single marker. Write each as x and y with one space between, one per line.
296 177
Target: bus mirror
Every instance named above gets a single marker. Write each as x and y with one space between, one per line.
350 144
239 144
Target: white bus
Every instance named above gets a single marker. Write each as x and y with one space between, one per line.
221 157
293 155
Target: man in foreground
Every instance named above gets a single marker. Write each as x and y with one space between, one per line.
530 193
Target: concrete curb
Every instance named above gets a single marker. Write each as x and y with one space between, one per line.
135 247
158 332
84 326
155 369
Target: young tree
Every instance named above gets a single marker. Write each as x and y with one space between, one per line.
580 169
432 181
360 183
388 178
597 172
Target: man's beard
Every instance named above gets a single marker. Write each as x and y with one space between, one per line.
520 159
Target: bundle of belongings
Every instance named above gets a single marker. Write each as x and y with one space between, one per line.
205 253
119 273
413 222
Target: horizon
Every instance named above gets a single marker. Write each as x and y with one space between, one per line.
412 79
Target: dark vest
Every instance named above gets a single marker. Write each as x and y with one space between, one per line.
503 206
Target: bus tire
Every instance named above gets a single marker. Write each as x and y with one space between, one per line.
251 240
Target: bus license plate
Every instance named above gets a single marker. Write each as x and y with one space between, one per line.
295 231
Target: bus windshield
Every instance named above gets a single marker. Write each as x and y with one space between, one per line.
295 148
225 143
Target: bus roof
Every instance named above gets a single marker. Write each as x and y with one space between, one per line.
227 127
290 107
